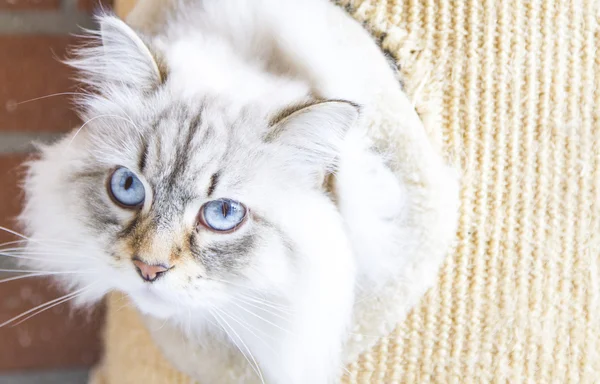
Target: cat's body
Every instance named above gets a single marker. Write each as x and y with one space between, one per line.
257 101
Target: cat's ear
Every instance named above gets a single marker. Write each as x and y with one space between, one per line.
119 57
314 133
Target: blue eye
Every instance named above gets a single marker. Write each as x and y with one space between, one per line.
223 215
126 189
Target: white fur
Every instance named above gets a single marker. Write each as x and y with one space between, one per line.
262 55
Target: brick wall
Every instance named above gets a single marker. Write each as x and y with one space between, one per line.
33 36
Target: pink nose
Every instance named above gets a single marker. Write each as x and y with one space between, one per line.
149 272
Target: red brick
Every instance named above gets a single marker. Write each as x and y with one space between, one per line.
10 194
56 338
93 5
30 68
12 5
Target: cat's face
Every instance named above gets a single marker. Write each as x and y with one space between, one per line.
179 201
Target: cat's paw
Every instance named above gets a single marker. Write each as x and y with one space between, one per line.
365 184
371 200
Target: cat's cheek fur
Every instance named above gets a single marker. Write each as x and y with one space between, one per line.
52 217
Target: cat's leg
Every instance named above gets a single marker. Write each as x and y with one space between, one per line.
307 346
312 350
371 200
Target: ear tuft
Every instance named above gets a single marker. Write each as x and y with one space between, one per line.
118 56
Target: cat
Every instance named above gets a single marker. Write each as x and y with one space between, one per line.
225 181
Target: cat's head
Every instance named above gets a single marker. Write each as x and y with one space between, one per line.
178 200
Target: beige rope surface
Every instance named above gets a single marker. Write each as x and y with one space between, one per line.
518 298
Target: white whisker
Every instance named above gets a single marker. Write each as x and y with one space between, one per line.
52 95
260 317
39 274
268 303
94 118
14 256
229 283
45 309
45 304
37 271
248 327
261 308
38 241
13 242
249 289
231 338
162 326
27 254
126 303
27 250
253 366
30 239
14 233
189 324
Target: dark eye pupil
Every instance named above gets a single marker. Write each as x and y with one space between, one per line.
128 182
225 208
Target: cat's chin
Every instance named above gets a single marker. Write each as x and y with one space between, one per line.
149 302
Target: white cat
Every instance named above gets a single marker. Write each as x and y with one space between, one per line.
224 181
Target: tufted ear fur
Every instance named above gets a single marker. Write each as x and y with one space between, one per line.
315 132
118 57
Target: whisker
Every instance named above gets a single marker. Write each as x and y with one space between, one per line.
249 328
45 309
211 322
231 338
257 370
20 250
14 256
268 303
52 95
39 241
45 304
94 118
125 303
30 239
23 277
13 242
262 297
261 318
162 326
261 308
228 282
40 274
189 324
25 254
247 288
13 233
35 271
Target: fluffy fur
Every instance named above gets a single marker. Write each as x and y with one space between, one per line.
240 91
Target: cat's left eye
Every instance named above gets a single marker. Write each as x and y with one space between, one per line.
126 189
223 215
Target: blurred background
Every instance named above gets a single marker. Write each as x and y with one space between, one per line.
58 345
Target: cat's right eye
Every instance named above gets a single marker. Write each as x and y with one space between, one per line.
126 189
222 215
